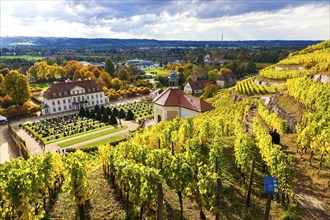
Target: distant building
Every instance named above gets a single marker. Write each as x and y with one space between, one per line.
226 80
142 64
195 87
173 102
72 95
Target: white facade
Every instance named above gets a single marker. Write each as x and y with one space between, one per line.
166 112
187 88
74 99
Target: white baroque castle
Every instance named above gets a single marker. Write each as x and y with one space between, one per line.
72 95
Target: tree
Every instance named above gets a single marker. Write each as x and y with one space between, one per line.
109 67
102 109
104 80
105 117
87 113
92 114
225 70
33 71
96 108
70 68
99 116
200 60
88 75
251 67
78 75
108 110
209 91
116 83
121 113
213 75
96 72
240 56
2 80
17 86
123 74
129 115
4 71
113 119
81 112
115 111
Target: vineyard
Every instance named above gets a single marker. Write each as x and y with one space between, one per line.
210 166
249 87
312 60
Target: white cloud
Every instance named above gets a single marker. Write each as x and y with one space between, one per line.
176 20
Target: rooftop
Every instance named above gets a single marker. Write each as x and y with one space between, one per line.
61 88
176 97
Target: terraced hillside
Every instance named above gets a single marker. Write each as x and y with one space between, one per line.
210 165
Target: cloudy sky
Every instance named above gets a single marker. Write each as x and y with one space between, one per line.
168 19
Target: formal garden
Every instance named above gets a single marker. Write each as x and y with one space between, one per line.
86 121
141 110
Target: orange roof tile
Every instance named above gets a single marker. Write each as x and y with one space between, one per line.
67 86
176 97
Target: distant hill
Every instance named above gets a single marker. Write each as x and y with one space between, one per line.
63 42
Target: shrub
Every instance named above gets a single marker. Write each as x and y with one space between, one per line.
129 115
113 119
121 113
81 112
115 111
7 102
105 117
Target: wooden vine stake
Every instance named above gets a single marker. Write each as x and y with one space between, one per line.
160 201
218 198
218 191
250 186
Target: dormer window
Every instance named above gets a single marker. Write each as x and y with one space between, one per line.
65 93
93 89
54 95
89 90
59 94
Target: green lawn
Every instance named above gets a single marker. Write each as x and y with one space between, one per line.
22 57
110 140
43 86
158 71
143 117
91 136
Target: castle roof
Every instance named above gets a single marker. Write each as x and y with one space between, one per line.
177 98
63 89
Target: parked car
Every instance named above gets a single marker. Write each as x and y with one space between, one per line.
3 120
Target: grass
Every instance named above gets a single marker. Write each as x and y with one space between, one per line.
43 86
144 117
23 57
109 140
75 135
291 106
91 136
158 71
